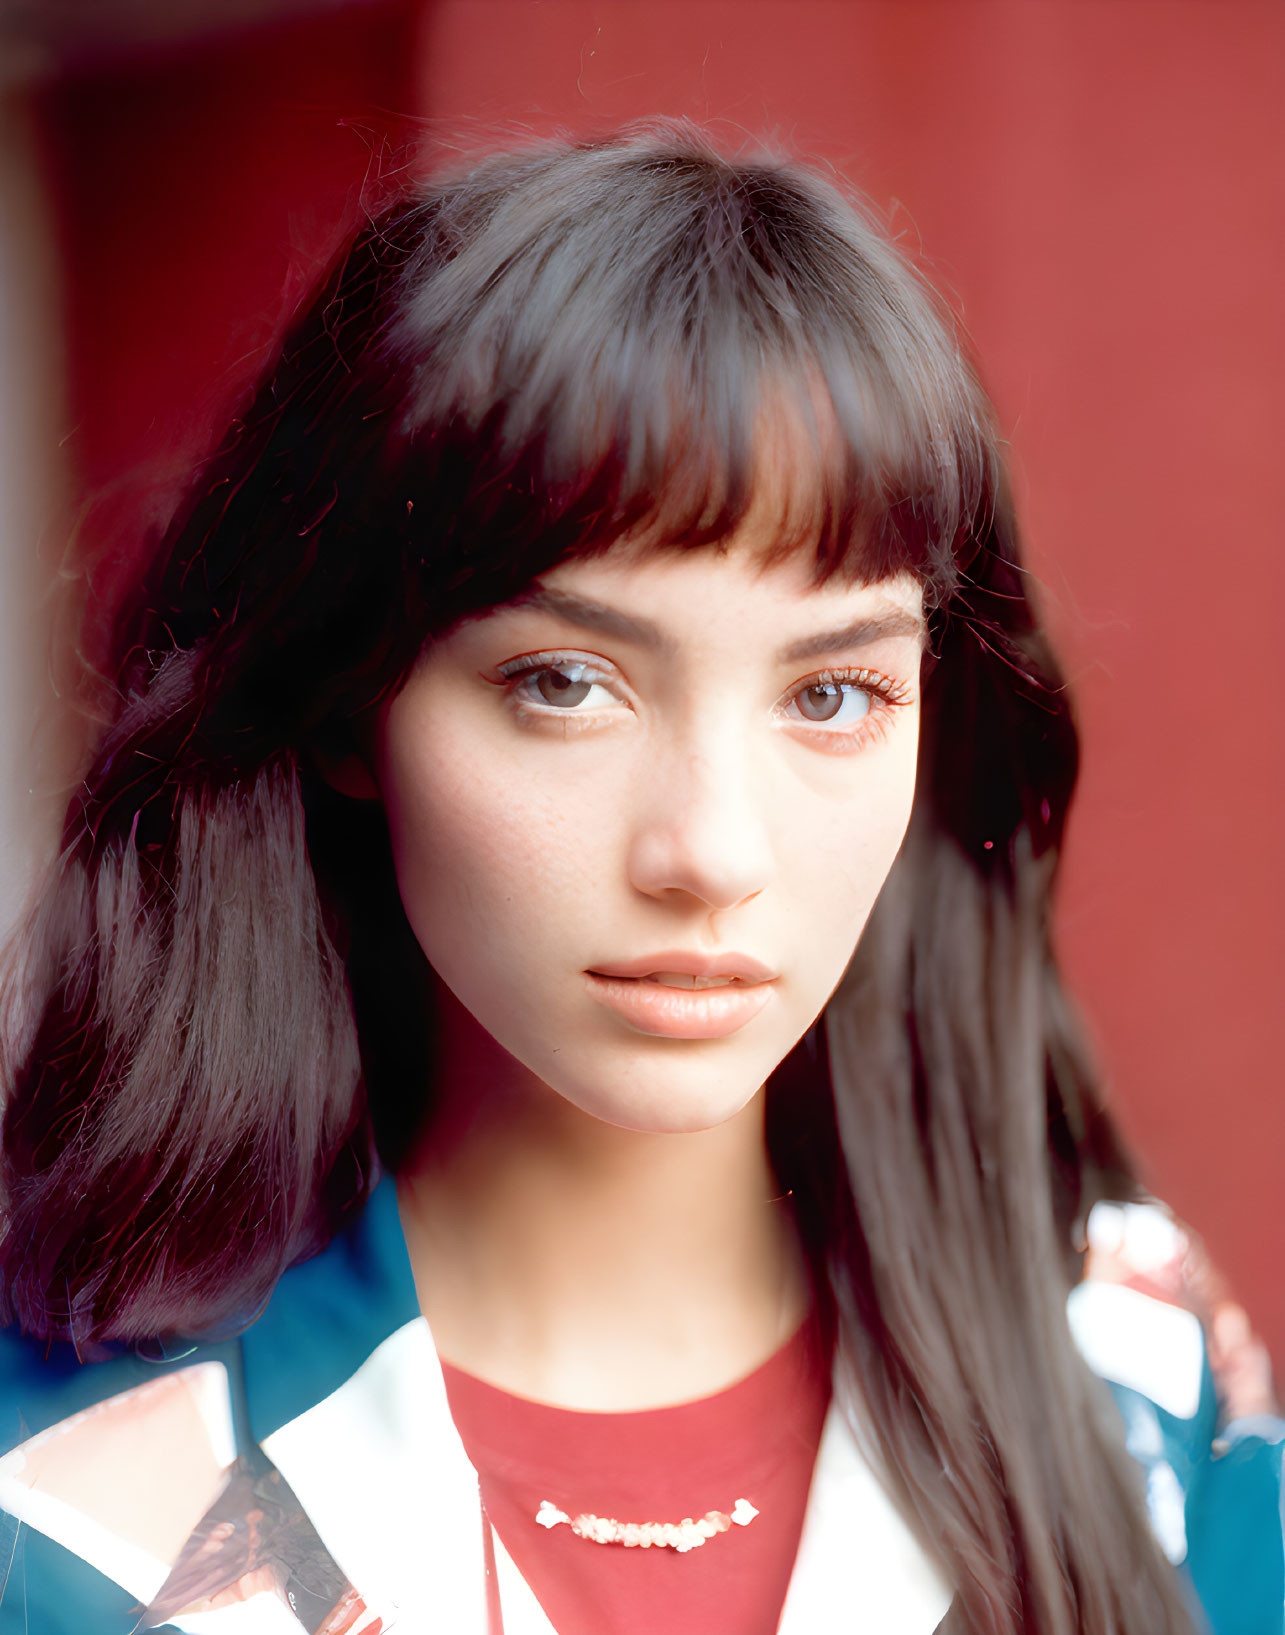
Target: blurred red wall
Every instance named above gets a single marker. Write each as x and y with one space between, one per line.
196 188
1100 188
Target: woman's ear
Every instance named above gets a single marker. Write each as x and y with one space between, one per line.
347 772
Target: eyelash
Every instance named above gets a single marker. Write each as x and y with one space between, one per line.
515 671
886 695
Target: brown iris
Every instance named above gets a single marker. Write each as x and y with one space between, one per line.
563 687
821 702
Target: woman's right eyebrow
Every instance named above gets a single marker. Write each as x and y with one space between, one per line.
591 615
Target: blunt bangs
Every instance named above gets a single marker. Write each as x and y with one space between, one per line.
614 341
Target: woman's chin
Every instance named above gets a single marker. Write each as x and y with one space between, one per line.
659 1106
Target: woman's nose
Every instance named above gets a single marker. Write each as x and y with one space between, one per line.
701 829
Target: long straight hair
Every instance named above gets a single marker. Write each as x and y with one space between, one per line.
207 1053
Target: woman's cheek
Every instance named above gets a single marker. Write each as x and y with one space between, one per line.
480 874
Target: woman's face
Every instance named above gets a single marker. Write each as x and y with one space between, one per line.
640 816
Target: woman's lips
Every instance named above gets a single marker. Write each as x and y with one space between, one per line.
680 1013
688 962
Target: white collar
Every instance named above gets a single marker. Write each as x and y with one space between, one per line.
382 1472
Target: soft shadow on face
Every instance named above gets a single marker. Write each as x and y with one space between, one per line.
640 816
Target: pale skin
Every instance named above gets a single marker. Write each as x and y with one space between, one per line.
674 754
591 1215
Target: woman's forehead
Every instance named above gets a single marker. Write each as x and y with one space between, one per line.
653 596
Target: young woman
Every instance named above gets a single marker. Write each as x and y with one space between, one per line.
608 611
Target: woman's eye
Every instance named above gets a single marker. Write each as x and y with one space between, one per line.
564 686
832 703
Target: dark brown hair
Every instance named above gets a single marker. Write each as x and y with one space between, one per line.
206 1042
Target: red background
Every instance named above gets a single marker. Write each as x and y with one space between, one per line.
1099 187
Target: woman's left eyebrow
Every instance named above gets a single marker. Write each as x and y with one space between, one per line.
875 627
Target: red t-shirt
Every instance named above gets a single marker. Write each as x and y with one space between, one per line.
757 1441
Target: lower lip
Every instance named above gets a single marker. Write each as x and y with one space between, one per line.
680 1013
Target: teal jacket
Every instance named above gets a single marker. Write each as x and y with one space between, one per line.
344 1332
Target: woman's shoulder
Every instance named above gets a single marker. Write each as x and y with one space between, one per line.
1215 1491
109 1460
43 1382
1209 1442
324 1319
107 1466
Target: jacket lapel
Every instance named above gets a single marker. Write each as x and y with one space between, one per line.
858 1564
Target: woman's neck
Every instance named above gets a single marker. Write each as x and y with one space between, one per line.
574 1262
